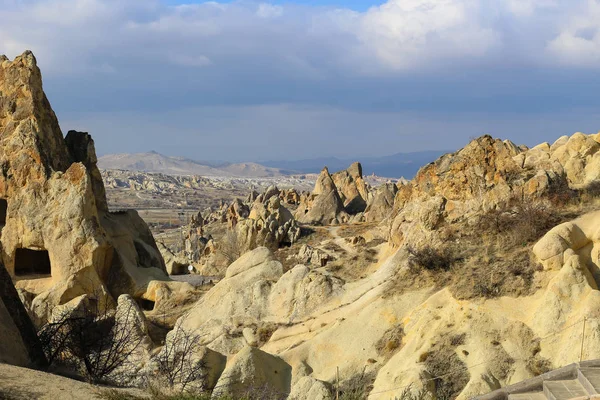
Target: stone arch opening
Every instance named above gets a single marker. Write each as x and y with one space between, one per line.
29 262
3 211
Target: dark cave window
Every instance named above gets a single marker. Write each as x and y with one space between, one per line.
32 262
3 209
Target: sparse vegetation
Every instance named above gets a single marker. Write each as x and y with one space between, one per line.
357 387
391 341
432 259
446 371
91 341
230 247
177 363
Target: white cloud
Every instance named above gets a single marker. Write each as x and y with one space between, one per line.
266 10
408 33
578 43
526 8
401 35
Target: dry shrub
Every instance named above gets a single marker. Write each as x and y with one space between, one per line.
496 271
265 332
230 247
592 189
560 194
447 372
177 363
432 259
391 341
357 387
91 341
519 222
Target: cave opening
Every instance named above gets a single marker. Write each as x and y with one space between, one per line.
3 210
32 262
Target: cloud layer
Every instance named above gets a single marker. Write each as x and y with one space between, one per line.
425 56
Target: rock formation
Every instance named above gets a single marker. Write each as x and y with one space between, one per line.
324 205
381 202
59 241
260 221
352 188
252 370
20 344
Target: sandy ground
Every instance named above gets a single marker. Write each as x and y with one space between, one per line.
18 383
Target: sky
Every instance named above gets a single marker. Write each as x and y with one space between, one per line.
269 80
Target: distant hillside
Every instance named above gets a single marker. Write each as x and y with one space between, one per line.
158 163
394 166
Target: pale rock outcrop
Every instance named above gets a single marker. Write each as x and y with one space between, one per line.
268 224
313 256
483 175
381 202
131 327
324 205
58 239
352 188
310 388
175 264
253 370
576 156
241 296
260 221
300 291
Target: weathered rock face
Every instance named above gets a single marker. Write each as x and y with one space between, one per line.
262 220
254 371
352 188
268 224
324 205
577 157
381 202
484 174
19 345
59 240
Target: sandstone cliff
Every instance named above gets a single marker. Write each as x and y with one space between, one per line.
58 239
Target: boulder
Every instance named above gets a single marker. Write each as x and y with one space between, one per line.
253 371
240 298
310 388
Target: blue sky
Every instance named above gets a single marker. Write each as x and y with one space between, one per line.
257 80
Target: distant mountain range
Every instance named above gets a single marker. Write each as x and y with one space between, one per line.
395 166
158 163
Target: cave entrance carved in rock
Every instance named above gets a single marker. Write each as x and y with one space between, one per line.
29 262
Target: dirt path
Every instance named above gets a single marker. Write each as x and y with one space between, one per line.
334 232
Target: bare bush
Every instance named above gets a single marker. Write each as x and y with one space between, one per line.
357 387
177 364
410 393
447 372
91 340
519 220
230 247
432 259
